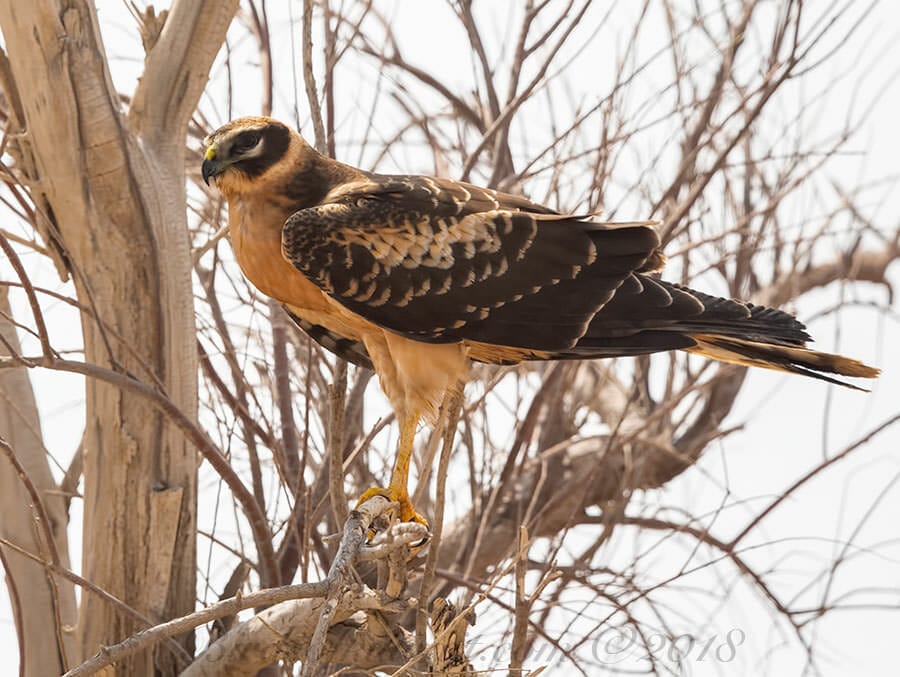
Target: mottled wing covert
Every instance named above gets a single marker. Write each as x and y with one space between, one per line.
433 261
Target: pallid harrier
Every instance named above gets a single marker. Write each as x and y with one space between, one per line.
415 276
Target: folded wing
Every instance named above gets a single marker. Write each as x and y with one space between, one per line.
438 262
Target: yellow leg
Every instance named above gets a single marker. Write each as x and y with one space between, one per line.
398 490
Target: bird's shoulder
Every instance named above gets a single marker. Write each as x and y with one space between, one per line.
428 195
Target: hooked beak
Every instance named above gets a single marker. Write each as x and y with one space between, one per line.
212 166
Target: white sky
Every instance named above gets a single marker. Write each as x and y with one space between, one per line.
791 423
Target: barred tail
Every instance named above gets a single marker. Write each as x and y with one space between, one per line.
791 359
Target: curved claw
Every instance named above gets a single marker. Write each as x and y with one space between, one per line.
406 511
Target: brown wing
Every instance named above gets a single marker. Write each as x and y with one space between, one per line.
424 258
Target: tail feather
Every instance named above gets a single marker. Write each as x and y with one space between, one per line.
792 359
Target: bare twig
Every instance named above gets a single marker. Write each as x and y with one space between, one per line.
309 80
93 589
141 640
450 418
337 395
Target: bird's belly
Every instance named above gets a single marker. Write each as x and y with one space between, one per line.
415 375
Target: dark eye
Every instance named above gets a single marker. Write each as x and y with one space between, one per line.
245 142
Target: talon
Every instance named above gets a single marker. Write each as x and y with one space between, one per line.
406 511
416 547
412 516
396 491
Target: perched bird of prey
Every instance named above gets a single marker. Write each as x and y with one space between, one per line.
416 276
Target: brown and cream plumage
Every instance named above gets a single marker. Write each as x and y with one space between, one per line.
415 276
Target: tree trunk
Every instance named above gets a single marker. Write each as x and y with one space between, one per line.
114 189
44 604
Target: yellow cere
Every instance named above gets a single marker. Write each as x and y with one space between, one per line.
210 153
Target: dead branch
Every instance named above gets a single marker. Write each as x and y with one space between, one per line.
315 628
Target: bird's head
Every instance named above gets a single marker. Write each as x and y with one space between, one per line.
243 150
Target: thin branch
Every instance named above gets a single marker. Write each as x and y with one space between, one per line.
177 68
309 80
337 395
452 404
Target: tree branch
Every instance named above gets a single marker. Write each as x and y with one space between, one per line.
177 68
